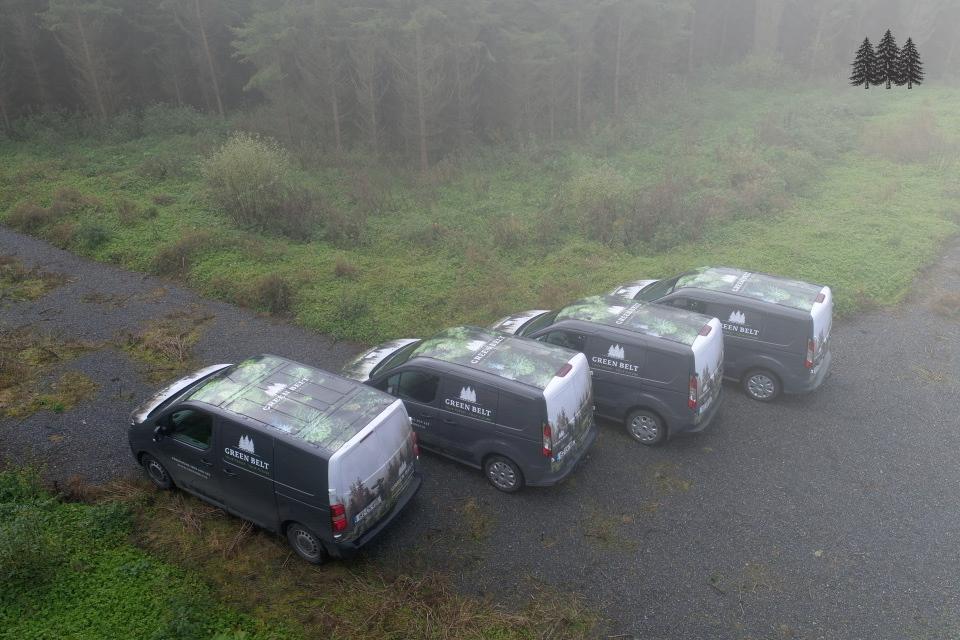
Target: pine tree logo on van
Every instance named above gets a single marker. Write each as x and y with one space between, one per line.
275 388
246 444
737 317
615 351
467 394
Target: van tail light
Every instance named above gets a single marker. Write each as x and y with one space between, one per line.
415 443
564 370
547 450
820 297
694 386
338 518
705 330
811 353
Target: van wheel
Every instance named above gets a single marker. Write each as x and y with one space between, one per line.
156 472
761 385
306 543
646 427
503 474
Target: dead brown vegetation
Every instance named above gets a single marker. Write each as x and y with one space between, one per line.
165 346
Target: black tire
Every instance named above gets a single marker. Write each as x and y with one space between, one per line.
503 474
306 543
646 427
157 473
761 385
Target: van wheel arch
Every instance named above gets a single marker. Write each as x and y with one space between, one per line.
664 426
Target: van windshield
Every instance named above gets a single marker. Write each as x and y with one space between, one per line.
395 359
539 322
656 290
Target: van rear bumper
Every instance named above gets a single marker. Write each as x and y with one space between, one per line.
549 478
814 379
347 549
705 419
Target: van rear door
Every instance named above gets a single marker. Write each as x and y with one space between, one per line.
370 472
704 386
822 314
569 401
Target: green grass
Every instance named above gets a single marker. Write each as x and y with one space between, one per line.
69 572
831 186
131 562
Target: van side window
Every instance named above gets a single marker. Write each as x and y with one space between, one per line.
191 427
690 304
563 339
414 385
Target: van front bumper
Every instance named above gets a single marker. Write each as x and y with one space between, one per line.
550 478
347 549
815 378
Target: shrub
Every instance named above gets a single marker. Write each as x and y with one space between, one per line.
343 228
175 259
127 211
916 139
165 120
161 165
249 178
343 268
163 199
508 232
29 217
62 234
271 292
93 235
601 199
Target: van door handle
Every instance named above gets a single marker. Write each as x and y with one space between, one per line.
449 421
426 415
227 472
206 462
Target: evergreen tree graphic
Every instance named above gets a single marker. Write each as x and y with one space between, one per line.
864 66
909 67
887 61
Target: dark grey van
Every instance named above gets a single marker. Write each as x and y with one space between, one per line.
656 369
777 330
520 411
295 450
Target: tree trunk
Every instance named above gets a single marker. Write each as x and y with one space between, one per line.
209 56
724 21
817 39
4 115
692 43
616 68
88 59
580 89
372 97
461 109
176 89
766 26
421 107
334 98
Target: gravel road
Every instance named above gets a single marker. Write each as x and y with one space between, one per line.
834 515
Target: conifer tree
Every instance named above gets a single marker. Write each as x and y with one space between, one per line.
864 66
887 65
909 67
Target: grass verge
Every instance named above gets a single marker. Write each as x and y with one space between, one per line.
132 562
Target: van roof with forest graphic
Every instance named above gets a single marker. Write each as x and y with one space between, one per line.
525 361
758 286
658 321
318 407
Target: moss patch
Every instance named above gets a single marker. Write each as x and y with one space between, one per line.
19 284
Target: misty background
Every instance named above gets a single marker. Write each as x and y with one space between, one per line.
424 78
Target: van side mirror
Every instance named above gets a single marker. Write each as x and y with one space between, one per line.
159 433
